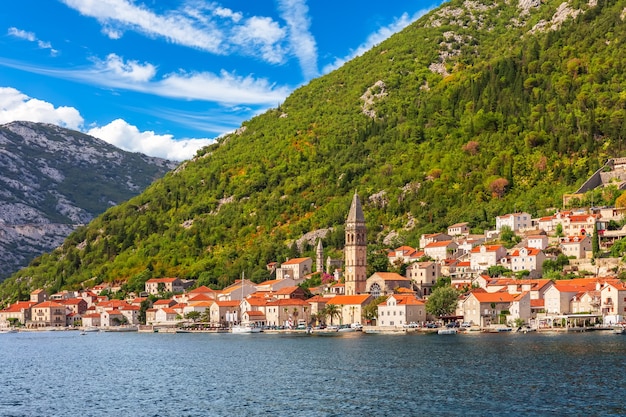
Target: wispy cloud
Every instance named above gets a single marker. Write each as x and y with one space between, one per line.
17 106
31 37
226 88
302 42
377 37
207 27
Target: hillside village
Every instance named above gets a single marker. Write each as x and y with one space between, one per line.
455 256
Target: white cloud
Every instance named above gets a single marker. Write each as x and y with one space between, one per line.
375 38
22 34
303 45
130 70
206 27
227 13
260 34
15 106
31 37
129 138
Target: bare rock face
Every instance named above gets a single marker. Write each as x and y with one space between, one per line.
54 179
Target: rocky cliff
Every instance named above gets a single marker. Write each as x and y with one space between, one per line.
54 179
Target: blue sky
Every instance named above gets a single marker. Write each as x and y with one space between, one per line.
166 77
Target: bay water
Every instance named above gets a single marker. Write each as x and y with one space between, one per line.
61 373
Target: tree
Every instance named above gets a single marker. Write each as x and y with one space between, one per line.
497 271
332 311
442 301
193 316
145 305
595 241
370 311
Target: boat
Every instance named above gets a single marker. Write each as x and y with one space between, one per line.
619 329
8 331
245 328
447 331
346 328
329 330
90 330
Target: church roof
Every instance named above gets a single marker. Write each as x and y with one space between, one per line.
356 212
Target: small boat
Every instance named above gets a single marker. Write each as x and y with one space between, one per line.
447 331
90 330
245 328
621 329
8 331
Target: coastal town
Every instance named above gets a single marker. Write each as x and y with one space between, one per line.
521 299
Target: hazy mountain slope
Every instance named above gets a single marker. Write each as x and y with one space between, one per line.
53 179
477 109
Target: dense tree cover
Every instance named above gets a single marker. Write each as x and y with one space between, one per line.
522 118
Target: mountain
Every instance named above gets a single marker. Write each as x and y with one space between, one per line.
478 109
54 179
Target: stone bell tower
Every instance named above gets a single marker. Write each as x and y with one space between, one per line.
355 251
319 261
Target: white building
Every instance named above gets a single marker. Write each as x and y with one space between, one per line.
515 221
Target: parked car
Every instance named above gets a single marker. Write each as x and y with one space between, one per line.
432 325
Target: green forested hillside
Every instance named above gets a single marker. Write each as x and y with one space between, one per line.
477 109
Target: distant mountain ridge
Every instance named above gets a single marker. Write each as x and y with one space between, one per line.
479 109
53 179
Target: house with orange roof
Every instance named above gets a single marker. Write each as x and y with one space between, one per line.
225 312
558 297
398 310
110 305
520 308
483 308
131 312
138 300
351 307
459 229
112 318
238 290
197 306
91 320
19 312
295 269
337 289
287 312
38 296
525 259
580 224
317 304
613 299
404 254
423 275
466 245
47 314
275 284
576 246
425 239
484 256
514 221
167 316
586 302
254 318
460 271
75 305
155 286
445 249
290 292
383 283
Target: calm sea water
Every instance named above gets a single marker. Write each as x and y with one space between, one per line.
130 374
